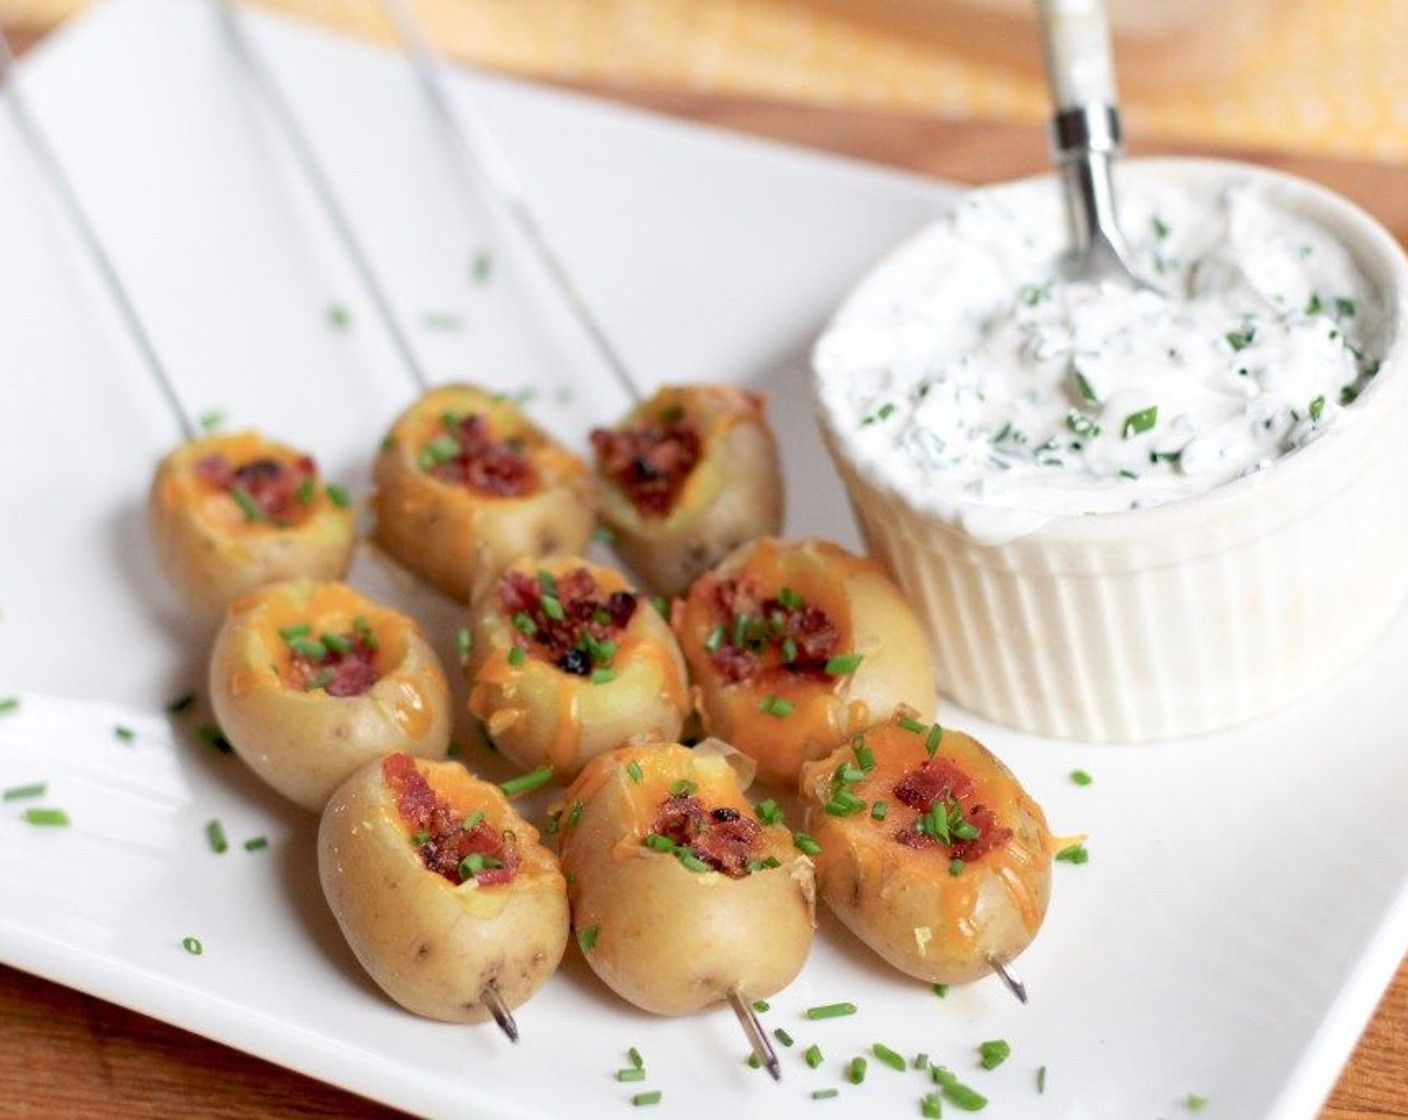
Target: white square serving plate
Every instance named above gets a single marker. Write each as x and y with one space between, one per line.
1244 904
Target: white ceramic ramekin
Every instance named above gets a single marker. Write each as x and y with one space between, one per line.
1183 618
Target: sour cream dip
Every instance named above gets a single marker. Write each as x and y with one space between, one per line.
967 374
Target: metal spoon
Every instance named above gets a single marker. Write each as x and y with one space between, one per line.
1085 136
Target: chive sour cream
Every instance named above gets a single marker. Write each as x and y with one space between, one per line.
966 374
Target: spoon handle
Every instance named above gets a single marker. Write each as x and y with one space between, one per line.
1075 38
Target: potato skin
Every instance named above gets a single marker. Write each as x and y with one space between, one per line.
304 744
734 493
537 714
208 549
445 533
872 619
432 946
904 902
668 939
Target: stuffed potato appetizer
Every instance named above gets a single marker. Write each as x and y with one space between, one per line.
793 647
685 478
442 890
230 512
465 481
681 896
931 852
311 680
565 661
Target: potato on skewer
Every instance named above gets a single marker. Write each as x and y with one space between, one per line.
931 851
566 661
442 890
311 680
465 482
228 513
685 478
793 647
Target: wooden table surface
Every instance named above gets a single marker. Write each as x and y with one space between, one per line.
63 1053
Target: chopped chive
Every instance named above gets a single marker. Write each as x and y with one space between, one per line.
468 824
215 834
9 704
753 1061
1075 853
955 1092
825 1094
1195 1103
683 787
552 607
604 675
941 990
812 1055
339 317
844 803
309 648
482 266
517 656
211 735
476 862
586 938
526 783
19 793
714 642
652 1097
782 1036
337 643
54 817
844 664
634 770
921 1061
805 844
297 630
1344 307
769 811
661 605
865 757
657 843
1085 389
464 643
211 419
633 1056
1081 778
321 680
574 814
182 703
912 725
790 599
831 1011
1141 421
776 707
855 1072
993 1053
890 1057
767 864
248 506
1240 340
930 1106
193 946
691 861
955 867
420 839
761 1005
878 810
789 651
1041 1079
630 1075
256 843
933 739
524 624
338 495
306 492
1317 407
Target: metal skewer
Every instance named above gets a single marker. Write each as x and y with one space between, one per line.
499 1010
1009 978
762 1048
486 158
265 84
62 187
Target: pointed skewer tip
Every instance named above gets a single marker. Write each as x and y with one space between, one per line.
499 1010
1011 981
762 1048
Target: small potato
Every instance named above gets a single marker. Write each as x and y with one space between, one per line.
466 482
952 873
685 478
441 889
567 661
310 681
680 895
228 513
792 647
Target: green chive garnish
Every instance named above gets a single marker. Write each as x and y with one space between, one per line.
683 787
297 630
912 725
337 643
309 648
941 990
878 811
212 736
19 793
805 844
993 1053
603 676
248 506
634 770
527 783
955 1092
790 599
339 316
1141 421
49 817
1081 778
1240 340
9 704
855 1072
586 938
812 1056
322 680
482 266
929 1106
182 703
714 642
892 1059
824 1094
630 1075
1317 408
652 1097
691 861
1076 853
215 833
1041 1079
844 664
256 844
517 656
657 843
831 1011
211 420
955 867
633 1056
338 495
552 607
306 492
782 1036
193 946
1195 1103
769 811
933 739
468 824
776 707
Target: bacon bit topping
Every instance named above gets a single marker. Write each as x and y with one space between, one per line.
781 632
266 489
576 626
467 455
723 839
340 664
651 460
451 845
937 790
